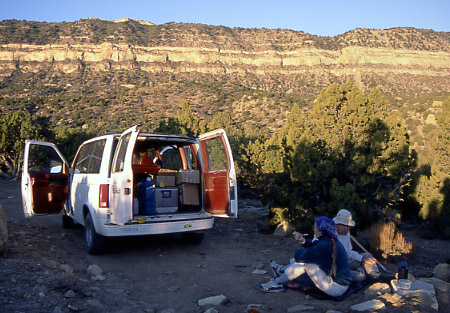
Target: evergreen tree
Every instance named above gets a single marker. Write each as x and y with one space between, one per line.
15 127
348 152
433 191
189 122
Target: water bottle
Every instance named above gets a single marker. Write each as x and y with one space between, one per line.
403 271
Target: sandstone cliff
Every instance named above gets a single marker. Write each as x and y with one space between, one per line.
362 55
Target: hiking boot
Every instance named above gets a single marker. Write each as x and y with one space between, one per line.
276 268
272 286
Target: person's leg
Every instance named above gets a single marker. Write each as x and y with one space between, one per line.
323 281
357 270
291 272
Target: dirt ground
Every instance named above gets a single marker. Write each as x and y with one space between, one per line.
45 269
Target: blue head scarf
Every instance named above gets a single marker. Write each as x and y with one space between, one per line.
327 225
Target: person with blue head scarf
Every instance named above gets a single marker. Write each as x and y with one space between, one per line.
322 263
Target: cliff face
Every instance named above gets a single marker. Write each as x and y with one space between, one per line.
179 48
344 61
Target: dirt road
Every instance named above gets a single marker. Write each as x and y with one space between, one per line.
46 268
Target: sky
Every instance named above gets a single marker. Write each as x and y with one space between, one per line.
317 17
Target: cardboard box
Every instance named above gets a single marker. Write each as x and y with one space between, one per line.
165 180
189 194
188 176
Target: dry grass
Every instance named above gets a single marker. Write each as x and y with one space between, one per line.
387 241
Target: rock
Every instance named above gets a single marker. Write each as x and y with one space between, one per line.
94 270
422 291
3 232
70 294
394 299
371 305
283 229
439 284
57 310
73 307
98 278
442 271
377 288
50 263
300 308
259 272
215 300
95 303
211 310
173 288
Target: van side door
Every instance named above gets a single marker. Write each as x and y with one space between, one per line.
121 199
45 179
219 175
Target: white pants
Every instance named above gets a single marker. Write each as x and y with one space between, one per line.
319 277
361 270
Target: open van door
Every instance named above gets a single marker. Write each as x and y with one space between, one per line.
121 207
45 179
219 175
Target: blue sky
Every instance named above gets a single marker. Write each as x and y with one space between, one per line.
318 17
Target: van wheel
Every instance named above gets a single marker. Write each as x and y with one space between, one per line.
67 222
193 238
93 242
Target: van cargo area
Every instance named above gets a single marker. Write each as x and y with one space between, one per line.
165 178
161 195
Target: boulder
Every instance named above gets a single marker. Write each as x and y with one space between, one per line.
442 271
3 232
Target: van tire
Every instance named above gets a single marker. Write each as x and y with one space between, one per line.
67 222
193 238
93 242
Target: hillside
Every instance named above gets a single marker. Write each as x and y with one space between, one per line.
74 72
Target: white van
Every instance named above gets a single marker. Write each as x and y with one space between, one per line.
133 184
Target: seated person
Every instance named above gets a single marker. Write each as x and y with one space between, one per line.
322 263
361 265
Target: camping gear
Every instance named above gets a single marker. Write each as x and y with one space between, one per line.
147 203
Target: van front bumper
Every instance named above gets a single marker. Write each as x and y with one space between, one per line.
155 227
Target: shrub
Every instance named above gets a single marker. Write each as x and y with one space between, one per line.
386 241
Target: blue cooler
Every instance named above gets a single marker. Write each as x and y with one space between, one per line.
147 202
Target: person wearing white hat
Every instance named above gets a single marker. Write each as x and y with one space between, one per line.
361 265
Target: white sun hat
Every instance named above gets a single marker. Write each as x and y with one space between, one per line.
344 217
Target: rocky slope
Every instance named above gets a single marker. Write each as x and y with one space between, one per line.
417 59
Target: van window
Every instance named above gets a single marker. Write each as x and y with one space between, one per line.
217 158
96 156
171 158
44 159
89 158
120 161
82 162
191 165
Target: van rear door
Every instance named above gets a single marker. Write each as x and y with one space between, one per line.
219 175
121 204
45 179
